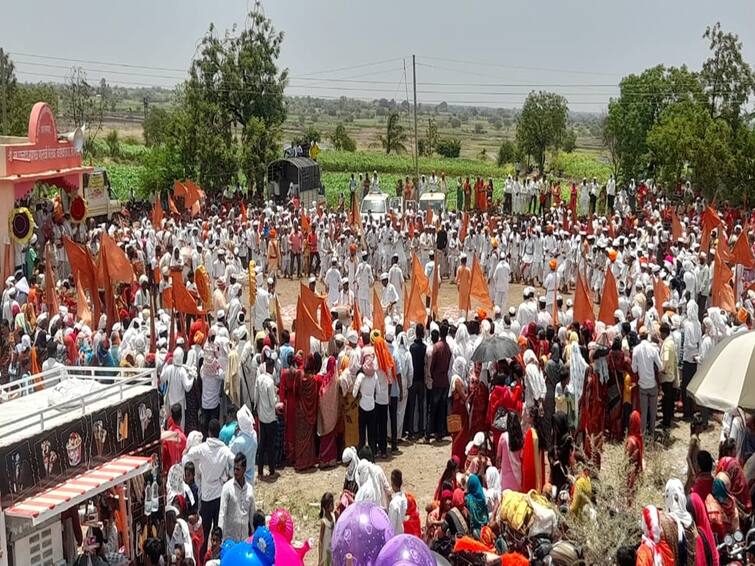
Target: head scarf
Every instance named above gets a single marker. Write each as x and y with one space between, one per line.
738 488
493 491
704 533
676 506
246 421
383 356
476 503
635 433
582 494
350 457
651 537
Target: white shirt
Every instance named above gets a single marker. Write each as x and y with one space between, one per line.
214 462
397 512
265 398
645 359
237 506
365 386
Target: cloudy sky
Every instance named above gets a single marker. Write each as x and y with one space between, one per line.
468 51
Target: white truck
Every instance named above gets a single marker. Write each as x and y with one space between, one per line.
98 195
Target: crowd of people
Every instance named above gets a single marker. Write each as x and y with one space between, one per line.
243 397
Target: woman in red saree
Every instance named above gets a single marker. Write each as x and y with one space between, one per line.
327 415
634 447
533 455
286 389
592 413
478 403
459 408
739 490
618 366
305 394
507 397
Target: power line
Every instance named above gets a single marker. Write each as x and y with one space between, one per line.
518 67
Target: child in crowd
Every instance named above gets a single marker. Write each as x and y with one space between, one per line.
327 520
216 539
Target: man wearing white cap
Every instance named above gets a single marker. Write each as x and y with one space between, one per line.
501 278
527 311
396 278
364 282
333 282
389 297
568 317
262 305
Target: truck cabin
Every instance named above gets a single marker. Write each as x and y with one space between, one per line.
299 176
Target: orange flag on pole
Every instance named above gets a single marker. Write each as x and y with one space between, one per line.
317 304
83 311
414 311
609 299
464 227
183 302
278 318
179 189
711 220
428 216
676 227
742 251
119 267
51 295
582 302
478 287
192 194
157 213
434 292
356 318
378 316
418 275
172 205
722 293
306 327
661 294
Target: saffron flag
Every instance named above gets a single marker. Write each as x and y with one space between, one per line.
83 312
742 251
661 294
242 211
119 268
317 304
711 220
278 319
204 290
378 316
51 295
192 194
478 287
157 213
183 302
356 319
419 275
464 227
172 205
428 216
722 293
723 247
676 227
609 299
414 311
306 327
435 291
110 309
355 220
463 284
582 301
83 268
179 189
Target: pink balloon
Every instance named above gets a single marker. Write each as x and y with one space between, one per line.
285 554
281 522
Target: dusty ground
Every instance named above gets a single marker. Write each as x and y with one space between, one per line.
422 464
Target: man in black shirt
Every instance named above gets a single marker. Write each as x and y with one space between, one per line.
416 399
441 244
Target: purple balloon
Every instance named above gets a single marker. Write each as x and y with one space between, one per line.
361 530
405 550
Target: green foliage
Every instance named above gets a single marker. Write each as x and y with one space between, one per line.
8 86
569 142
507 153
541 125
156 126
312 135
455 123
341 139
24 99
578 165
113 144
449 148
125 179
161 168
429 145
395 136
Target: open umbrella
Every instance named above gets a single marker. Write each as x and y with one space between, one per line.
495 348
726 379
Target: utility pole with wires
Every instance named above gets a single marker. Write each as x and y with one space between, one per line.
416 150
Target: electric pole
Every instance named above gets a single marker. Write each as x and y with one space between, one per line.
416 151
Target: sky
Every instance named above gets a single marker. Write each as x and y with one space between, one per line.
474 52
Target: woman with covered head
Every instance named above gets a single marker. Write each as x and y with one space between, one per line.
458 395
177 381
653 550
509 453
327 414
577 369
677 525
534 383
634 448
306 399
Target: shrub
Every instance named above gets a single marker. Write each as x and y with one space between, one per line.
449 147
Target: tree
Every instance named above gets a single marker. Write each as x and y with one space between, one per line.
432 136
449 147
113 145
234 105
455 123
395 136
729 80
569 142
341 139
156 126
85 104
506 153
609 141
312 135
7 91
541 124
687 142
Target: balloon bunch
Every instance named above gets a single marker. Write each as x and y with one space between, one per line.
259 550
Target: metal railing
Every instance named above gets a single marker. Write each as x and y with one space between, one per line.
113 382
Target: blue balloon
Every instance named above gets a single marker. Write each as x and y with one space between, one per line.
263 542
226 546
242 554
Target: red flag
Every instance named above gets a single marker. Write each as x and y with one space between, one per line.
157 213
51 295
661 294
582 302
609 299
378 316
742 251
418 275
676 226
83 312
478 287
464 227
